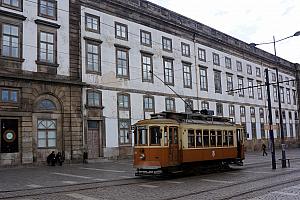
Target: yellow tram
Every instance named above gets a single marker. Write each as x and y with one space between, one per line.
174 141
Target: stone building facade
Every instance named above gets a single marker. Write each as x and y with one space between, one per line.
40 88
121 41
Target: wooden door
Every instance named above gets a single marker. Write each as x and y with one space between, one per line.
93 139
173 146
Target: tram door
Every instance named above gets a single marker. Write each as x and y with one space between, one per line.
173 145
239 139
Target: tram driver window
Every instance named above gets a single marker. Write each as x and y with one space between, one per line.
198 138
206 138
143 136
212 138
155 135
230 138
225 139
191 139
219 138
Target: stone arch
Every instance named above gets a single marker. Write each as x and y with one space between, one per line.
53 103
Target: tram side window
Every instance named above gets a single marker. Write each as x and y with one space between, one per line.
212 138
219 138
230 138
175 136
155 135
198 138
166 136
191 138
206 138
143 136
225 139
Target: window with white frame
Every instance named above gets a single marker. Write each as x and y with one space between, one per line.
92 23
11 44
203 79
14 4
216 59
47 46
169 71
48 9
239 66
122 63
252 111
93 57
185 49
148 103
231 110
228 63
167 44
124 131
187 75
218 82
93 98
241 86
282 94
288 96
170 104
204 105
219 109
189 105
201 54
261 113
121 31
249 69
147 68
273 77
242 111
275 95
46 133
146 38
259 90
258 72
250 88
229 78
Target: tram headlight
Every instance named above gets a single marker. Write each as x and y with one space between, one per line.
142 156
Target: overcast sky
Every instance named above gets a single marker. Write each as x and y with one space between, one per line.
248 20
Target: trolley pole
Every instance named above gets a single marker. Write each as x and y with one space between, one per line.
270 121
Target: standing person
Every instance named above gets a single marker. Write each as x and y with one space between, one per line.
263 146
59 159
51 159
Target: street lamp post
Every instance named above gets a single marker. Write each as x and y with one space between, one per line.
283 158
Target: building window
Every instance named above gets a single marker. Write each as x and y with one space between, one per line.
228 63
167 44
231 110
293 83
169 71
93 57
243 111
291 131
262 130
46 104
11 44
259 90
189 106
219 109
296 115
124 133
47 47
252 111
204 105
241 86
93 98
92 23
147 68
122 63
14 4
294 97
253 128
261 113
250 89
218 83
187 75
148 103
280 78
283 114
275 95
121 31
290 115
277 114
258 72
46 133
48 9
249 69
229 84
185 49
287 82
282 94
203 79
170 104
123 101
239 66
146 38
273 77
216 59
288 96
9 95
202 54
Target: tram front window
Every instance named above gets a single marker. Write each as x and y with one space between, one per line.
142 136
155 135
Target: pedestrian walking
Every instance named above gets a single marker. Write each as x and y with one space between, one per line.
263 146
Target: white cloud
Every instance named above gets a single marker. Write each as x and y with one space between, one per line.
251 21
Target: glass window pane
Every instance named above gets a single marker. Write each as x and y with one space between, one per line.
52 134
51 142
41 134
42 143
5 95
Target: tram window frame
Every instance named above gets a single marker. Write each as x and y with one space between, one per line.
232 138
157 137
212 138
191 138
176 139
219 136
138 136
199 135
225 139
205 138
166 136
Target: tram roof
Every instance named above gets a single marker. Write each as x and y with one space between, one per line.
157 121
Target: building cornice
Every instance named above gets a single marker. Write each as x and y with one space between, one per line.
13 15
46 23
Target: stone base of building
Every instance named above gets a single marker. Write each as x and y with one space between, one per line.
255 144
